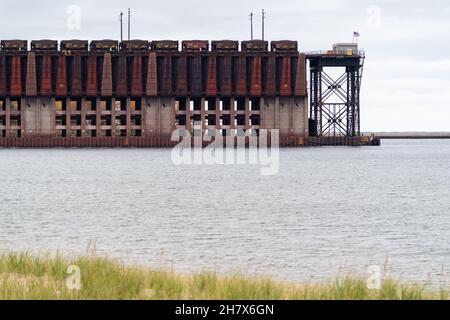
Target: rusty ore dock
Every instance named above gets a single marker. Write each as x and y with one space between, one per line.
103 93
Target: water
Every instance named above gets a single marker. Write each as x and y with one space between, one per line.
329 210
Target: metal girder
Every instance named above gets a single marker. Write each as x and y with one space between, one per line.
334 100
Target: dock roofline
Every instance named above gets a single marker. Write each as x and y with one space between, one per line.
147 45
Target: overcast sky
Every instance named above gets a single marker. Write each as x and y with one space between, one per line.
406 83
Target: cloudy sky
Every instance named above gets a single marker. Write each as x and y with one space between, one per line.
406 85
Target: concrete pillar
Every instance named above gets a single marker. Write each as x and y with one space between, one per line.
98 115
68 117
261 113
247 113
232 112
22 116
113 116
166 116
299 116
128 117
83 117
218 114
276 110
8 117
151 116
203 111
143 116
188 115
284 116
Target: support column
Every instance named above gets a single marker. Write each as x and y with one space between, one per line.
188 115
113 117
203 111
247 113
277 112
128 117
143 116
98 116
8 117
158 111
232 112
83 117
218 114
262 105
68 118
53 116
22 116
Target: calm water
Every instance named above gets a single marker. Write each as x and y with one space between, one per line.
328 209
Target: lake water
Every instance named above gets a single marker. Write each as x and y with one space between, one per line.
328 210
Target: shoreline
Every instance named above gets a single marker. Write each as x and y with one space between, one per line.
27 276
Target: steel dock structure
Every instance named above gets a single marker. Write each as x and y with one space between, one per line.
106 93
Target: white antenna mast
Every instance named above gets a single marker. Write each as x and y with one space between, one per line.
263 18
129 23
251 25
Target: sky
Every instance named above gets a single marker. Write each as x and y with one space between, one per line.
406 80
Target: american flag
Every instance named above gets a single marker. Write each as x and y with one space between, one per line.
356 34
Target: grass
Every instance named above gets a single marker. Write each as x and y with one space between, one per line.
24 276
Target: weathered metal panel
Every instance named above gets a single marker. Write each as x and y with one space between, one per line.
300 80
122 79
152 77
285 79
255 84
211 82
182 76
166 81
2 74
189 74
91 85
270 81
46 75
241 81
196 79
61 78
226 85
107 76
30 84
76 86
136 79
16 78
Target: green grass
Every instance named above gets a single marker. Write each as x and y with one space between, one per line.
25 276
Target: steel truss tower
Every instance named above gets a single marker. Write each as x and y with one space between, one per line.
334 99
